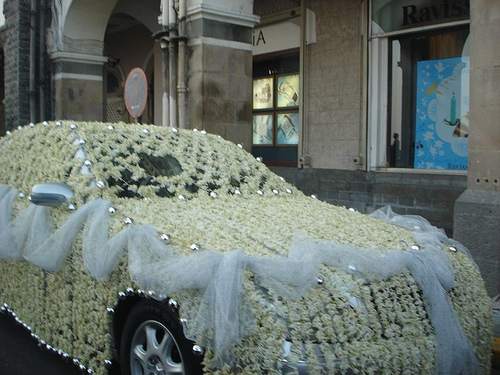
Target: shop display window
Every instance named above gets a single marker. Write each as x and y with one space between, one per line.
428 100
276 98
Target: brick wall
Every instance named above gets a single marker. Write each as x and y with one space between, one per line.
431 196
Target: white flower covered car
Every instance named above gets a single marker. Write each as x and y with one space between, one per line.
118 241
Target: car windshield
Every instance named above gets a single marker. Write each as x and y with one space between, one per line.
149 161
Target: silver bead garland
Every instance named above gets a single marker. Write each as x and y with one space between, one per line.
198 350
151 294
174 304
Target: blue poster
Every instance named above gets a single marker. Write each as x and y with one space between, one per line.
442 114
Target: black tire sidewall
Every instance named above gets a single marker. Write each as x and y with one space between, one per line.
153 310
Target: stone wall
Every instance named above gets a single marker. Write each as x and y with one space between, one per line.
16 45
268 7
15 40
220 79
477 211
333 97
431 196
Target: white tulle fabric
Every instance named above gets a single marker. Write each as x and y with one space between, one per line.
419 225
224 316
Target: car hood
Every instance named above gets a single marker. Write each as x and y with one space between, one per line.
258 224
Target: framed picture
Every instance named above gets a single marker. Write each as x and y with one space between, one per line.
287 128
263 89
263 130
288 90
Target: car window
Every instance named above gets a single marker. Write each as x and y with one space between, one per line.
153 167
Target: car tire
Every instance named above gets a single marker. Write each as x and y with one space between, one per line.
153 343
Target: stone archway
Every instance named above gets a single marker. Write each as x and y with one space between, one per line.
128 44
77 50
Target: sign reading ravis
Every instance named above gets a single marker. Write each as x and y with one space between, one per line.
394 15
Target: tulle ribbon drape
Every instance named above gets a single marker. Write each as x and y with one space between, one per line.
224 316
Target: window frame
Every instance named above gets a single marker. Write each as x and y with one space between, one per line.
379 138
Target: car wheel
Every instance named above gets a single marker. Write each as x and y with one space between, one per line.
153 343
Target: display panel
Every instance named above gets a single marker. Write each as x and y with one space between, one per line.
263 93
288 90
287 129
442 114
263 130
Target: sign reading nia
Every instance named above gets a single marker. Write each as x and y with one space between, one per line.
257 39
412 14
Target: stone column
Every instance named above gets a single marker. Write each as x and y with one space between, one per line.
15 44
78 86
220 68
477 210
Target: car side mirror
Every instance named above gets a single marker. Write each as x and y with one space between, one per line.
50 194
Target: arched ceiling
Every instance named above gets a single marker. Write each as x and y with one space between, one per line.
88 19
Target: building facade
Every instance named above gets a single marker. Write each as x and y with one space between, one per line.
364 103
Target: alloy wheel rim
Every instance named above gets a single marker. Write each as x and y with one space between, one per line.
154 351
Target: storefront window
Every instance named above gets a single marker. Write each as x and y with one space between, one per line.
419 84
276 100
428 100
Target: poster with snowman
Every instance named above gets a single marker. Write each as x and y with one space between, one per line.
442 114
